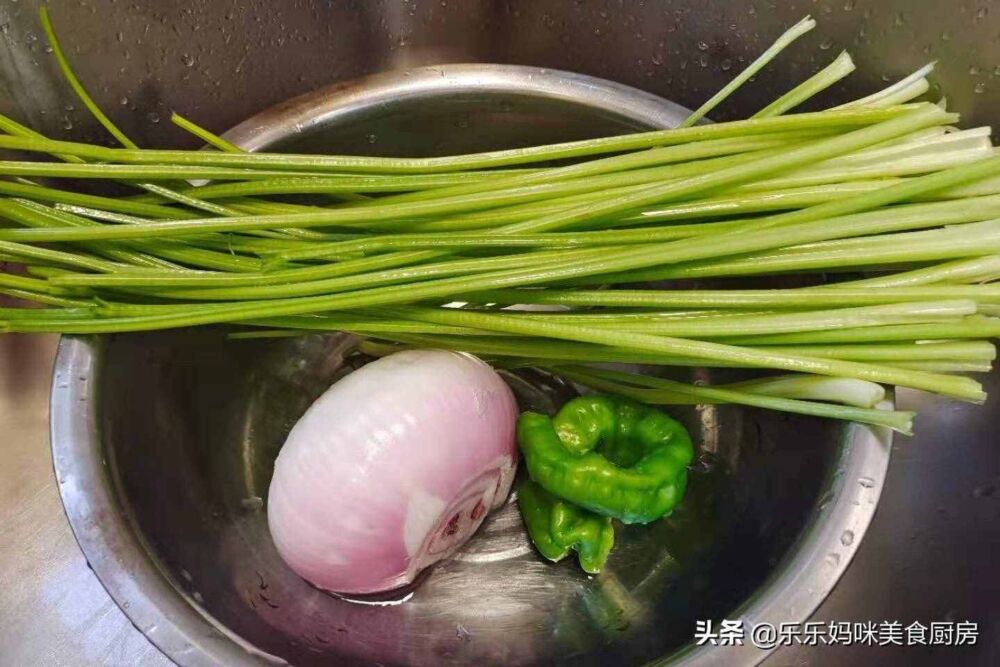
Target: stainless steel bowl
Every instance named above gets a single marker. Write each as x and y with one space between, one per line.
163 446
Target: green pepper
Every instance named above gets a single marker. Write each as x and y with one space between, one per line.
556 526
610 455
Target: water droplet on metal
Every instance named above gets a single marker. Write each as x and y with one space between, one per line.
984 490
153 117
866 482
703 60
945 36
979 88
848 5
833 559
726 65
847 538
981 14
825 45
371 138
702 46
974 70
824 500
188 60
253 503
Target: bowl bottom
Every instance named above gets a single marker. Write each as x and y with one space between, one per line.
193 422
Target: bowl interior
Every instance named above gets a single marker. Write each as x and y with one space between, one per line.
191 423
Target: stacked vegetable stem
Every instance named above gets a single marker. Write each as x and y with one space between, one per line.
447 251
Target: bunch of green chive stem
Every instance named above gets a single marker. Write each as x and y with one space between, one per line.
885 215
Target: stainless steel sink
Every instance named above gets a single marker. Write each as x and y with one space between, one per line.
163 447
928 555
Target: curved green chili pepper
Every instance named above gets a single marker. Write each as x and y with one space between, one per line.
610 455
556 526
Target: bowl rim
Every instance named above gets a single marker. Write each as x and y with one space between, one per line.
128 569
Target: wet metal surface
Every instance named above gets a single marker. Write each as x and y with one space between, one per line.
53 610
220 61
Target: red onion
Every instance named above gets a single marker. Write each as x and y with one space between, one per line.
392 469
